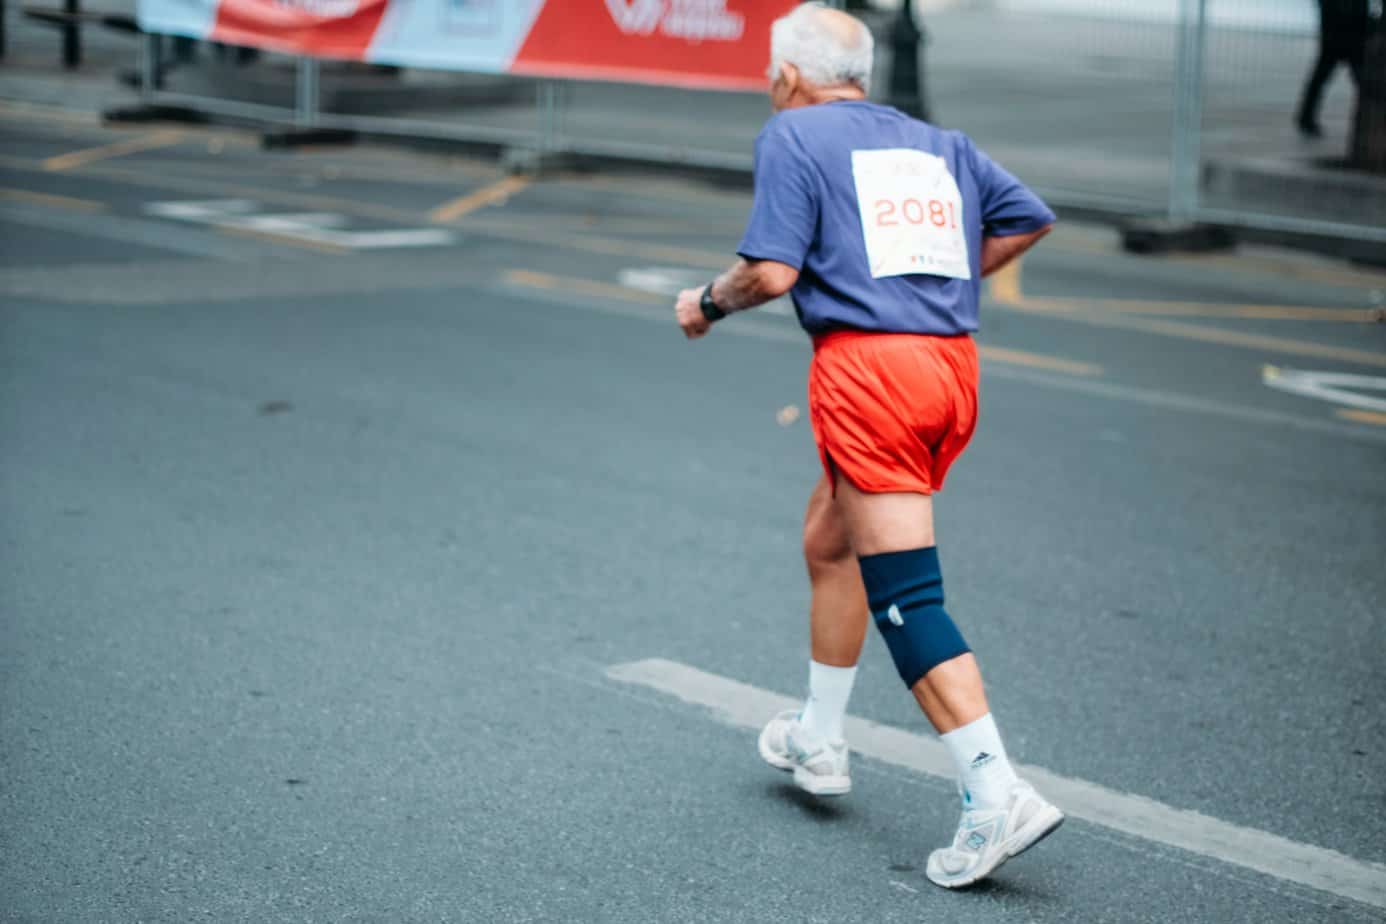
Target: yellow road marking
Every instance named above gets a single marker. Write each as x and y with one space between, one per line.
1236 338
1037 361
1126 315
1194 309
1375 418
1006 290
1068 241
62 202
1281 345
491 194
279 238
74 159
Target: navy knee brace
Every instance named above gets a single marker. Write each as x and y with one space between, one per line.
905 590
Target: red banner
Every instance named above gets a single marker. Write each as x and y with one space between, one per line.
695 43
701 43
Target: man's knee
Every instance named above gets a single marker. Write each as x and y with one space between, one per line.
905 592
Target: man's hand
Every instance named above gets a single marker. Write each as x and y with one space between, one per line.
689 312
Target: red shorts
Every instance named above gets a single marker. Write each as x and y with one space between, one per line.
892 411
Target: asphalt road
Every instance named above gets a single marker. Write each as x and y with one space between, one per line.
336 482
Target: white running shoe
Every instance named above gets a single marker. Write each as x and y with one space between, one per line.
820 767
987 838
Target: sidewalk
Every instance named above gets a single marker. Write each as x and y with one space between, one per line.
1079 108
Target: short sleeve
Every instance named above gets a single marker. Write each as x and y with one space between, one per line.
1008 205
784 212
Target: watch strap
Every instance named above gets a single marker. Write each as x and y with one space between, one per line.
709 307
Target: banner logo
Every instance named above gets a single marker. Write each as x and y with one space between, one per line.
636 17
693 20
326 9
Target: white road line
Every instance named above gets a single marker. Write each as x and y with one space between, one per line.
745 706
1335 387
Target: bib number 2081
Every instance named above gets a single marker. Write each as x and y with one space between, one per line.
940 214
911 214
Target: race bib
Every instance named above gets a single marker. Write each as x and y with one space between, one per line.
911 214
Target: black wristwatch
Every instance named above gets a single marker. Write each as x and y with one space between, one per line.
710 309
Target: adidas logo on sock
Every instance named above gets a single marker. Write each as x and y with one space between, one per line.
981 760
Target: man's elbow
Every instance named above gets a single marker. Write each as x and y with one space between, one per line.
774 279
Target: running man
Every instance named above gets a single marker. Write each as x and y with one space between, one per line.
881 227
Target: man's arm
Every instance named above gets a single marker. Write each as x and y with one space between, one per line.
998 251
747 284
750 283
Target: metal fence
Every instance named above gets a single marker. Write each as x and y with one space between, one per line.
1183 109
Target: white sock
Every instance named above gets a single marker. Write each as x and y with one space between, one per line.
985 771
829 689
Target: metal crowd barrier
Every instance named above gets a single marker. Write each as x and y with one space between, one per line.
1185 117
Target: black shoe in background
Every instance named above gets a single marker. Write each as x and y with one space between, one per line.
1309 129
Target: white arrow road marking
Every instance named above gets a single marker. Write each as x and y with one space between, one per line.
403 237
206 211
311 227
1337 387
662 280
745 706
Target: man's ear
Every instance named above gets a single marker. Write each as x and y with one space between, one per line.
790 75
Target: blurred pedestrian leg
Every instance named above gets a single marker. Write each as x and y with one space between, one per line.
1342 39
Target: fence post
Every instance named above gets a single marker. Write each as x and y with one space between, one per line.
72 36
550 114
1367 140
1188 111
149 66
306 92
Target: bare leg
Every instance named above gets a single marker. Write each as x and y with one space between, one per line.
951 694
838 613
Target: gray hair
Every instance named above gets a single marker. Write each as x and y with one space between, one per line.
822 52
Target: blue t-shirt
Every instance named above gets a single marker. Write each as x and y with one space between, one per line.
806 215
